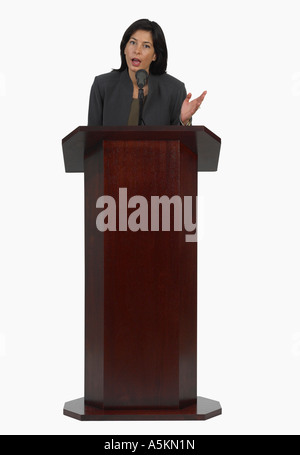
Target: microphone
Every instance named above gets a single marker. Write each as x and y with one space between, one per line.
141 77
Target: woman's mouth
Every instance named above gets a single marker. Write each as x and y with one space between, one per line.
136 62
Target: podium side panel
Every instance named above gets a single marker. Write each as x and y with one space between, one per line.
94 280
188 285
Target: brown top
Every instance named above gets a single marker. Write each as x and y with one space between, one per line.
133 119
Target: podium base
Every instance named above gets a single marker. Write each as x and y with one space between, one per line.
204 409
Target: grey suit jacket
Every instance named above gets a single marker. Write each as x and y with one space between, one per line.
111 96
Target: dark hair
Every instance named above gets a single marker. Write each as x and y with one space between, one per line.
159 66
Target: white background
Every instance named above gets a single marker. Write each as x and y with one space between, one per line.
246 55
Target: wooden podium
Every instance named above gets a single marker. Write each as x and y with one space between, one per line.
140 285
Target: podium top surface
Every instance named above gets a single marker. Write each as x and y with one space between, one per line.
199 139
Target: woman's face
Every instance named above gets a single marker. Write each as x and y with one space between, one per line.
139 52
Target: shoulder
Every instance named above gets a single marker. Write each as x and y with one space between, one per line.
166 80
107 78
170 88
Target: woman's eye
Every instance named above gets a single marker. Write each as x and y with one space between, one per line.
146 46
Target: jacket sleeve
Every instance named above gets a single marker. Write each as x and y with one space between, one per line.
95 114
179 98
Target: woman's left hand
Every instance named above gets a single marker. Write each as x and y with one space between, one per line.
189 108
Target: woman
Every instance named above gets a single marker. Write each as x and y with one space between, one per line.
114 96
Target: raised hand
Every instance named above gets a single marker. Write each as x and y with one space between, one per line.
189 107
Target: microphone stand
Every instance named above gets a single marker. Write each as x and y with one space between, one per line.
141 77
141 104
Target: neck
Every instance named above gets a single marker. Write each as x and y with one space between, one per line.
133 78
